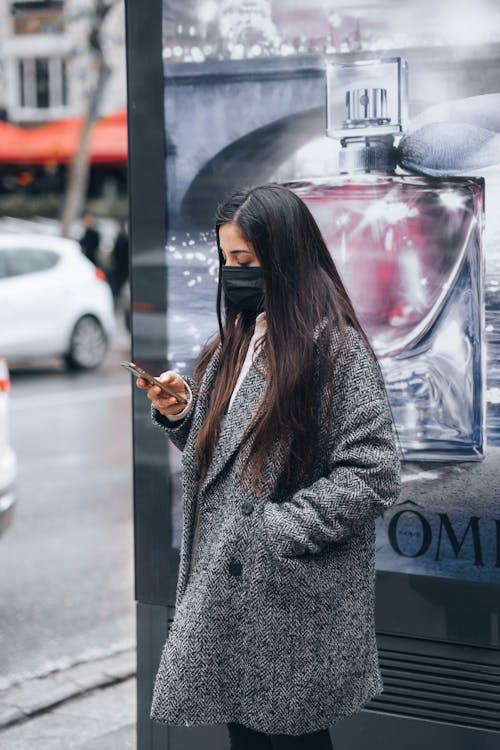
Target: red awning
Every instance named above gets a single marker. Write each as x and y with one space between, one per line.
56 143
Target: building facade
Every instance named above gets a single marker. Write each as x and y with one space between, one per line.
46 70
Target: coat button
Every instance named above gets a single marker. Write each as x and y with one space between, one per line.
235 568
247 507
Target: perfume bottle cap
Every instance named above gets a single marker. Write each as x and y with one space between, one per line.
366 107
367 98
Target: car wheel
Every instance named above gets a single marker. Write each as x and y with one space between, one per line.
88 344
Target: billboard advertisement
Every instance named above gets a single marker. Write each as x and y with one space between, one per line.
384 118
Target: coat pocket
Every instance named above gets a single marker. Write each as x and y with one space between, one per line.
314 573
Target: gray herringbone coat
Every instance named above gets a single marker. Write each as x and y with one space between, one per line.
263 636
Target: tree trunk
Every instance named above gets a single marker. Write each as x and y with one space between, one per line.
78 175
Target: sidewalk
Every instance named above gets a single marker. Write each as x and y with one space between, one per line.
90 706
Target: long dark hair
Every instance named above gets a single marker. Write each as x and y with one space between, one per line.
302 287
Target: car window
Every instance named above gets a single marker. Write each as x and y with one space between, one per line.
26 260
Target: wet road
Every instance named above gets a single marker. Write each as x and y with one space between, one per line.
66 563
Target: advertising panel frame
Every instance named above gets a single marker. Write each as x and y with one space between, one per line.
438 637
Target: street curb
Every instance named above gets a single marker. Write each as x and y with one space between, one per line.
28 699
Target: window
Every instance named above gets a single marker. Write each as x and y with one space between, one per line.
42 82
38 17
23 261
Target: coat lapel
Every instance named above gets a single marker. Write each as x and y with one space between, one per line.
241 412
237 419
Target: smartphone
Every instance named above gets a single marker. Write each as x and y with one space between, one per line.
140 373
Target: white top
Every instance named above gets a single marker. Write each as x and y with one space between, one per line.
259 330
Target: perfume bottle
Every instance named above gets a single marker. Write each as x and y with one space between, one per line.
409 250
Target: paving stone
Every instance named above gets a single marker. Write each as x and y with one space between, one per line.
40 693
102 720
119 666
122 739
115 704
52 732
34 695
88 676
9 713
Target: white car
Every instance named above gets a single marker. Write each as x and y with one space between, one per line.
8 465
53 302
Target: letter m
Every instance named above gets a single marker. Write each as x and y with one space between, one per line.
473 525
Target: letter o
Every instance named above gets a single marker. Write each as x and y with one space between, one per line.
426 534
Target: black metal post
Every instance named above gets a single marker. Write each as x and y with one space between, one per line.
147 235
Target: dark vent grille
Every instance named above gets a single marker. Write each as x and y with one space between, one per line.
439 688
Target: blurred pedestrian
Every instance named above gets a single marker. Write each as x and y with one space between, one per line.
90 239
289 456
118 271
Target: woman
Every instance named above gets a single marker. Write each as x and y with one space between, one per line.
289 455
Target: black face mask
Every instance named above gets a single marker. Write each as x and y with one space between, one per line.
243 287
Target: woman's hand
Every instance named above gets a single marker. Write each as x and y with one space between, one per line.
165 404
